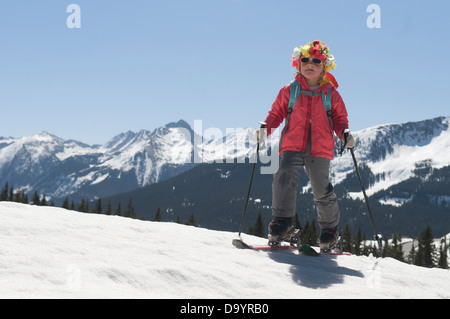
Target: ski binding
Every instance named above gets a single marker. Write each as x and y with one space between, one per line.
294 244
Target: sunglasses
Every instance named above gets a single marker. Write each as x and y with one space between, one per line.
315 60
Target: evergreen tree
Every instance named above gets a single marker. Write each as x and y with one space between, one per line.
397 248
309 234
258 228
191 221
384 251
347 239
108 208
443 256
132 212
4 193
158 217
11 194
357 244
366 249
98 209
118 211
82 206
304 236
66 203
425 249
20 197
412 254
43 201
129 212
36 200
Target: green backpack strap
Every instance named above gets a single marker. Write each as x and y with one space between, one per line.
327 104
295 92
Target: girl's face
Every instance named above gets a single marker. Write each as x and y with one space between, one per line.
311 68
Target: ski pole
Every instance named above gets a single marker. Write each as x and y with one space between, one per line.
378 238
263 125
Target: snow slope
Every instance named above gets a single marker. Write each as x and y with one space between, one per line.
49 252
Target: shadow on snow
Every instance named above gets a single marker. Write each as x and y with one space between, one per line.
314 272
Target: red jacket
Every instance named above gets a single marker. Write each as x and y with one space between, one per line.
309 110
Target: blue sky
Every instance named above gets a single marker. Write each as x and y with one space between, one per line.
140 64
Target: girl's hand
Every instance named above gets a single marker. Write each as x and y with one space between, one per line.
348 139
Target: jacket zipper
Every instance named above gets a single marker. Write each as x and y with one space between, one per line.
307 124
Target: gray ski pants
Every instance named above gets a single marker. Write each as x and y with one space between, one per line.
285 182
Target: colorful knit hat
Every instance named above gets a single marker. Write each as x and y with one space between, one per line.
316 49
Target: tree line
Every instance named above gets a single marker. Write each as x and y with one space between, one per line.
424 252
8 193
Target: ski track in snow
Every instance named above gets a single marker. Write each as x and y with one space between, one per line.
49 252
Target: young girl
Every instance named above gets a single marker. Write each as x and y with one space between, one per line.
308 141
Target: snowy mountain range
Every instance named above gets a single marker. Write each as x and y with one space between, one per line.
57 168
388 154
393 153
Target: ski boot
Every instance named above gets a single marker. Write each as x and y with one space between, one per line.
330 240
282 229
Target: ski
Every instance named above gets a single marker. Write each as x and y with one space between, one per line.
238 243
335 253
303 249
